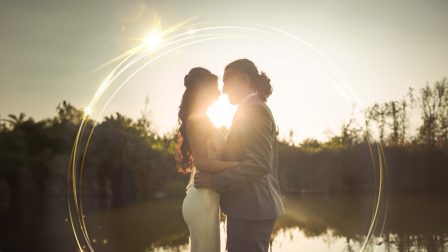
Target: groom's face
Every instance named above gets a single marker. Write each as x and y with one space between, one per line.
233 84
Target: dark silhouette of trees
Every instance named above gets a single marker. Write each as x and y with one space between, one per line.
125 160
429 106
391 120
128 161
434 104
378 114
415 163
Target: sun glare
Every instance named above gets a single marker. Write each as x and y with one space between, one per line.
153 40
221 112
87 111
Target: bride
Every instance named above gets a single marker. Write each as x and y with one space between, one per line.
200 146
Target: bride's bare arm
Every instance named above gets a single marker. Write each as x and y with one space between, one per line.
196 133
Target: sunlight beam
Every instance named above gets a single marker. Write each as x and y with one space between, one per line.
221 112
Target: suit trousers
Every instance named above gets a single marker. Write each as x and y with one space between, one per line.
248 235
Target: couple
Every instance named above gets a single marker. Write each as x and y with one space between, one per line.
237 175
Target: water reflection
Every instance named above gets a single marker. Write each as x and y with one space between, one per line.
312 223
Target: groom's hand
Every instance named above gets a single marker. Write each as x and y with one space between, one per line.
203 180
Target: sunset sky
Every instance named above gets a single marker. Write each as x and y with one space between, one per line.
51 51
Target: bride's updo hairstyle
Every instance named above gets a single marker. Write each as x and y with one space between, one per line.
197 78
260 81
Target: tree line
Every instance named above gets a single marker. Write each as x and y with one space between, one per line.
413 161
128 161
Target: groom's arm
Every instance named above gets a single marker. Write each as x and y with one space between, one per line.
257 140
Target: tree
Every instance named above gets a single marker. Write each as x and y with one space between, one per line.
68 113
434 106
407 103
441 88
378 113
393 110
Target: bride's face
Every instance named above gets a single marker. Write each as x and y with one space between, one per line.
208 94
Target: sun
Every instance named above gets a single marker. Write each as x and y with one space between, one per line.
221 112
153 40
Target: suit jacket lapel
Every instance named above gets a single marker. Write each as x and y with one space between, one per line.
238 112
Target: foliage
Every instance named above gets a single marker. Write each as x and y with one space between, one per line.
127 161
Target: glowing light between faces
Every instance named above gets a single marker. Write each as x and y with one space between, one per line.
221 112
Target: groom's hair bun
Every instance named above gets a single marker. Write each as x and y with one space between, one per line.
260 81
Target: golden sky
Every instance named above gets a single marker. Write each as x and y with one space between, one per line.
49 49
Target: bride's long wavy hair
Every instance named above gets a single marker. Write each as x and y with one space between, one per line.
193 82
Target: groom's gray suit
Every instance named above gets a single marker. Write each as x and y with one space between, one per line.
250 192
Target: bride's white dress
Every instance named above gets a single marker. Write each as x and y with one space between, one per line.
200 207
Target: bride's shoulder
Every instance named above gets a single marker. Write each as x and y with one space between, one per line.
199 124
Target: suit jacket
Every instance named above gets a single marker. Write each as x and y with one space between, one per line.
251 190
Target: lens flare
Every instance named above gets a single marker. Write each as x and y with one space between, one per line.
87 110
221 112
153 40
155 45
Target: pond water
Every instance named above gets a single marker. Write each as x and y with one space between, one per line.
312 223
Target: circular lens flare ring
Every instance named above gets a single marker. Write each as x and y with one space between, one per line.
197 34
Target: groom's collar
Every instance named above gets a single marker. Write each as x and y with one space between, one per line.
247 98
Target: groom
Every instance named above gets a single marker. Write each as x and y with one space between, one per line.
250 192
